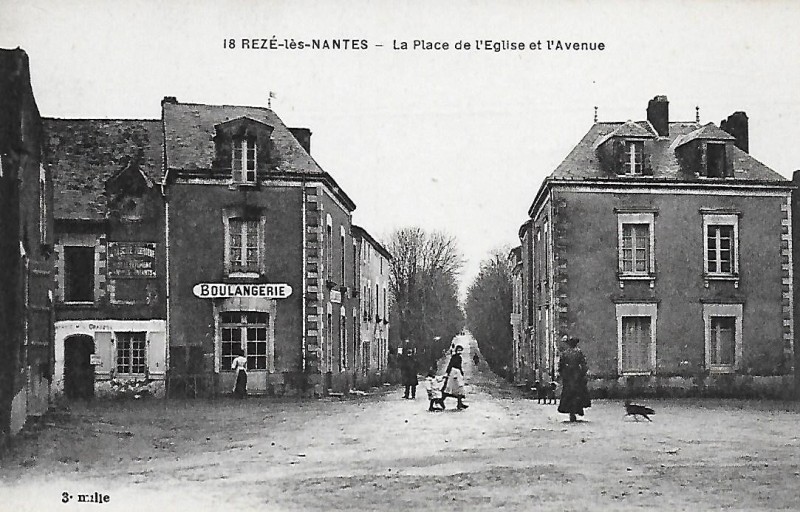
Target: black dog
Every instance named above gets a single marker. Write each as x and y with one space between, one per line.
636 410
545 393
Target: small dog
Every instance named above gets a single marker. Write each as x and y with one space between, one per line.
545 393
636 410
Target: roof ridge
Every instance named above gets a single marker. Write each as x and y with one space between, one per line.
98 119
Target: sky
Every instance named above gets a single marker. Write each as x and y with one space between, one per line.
456 140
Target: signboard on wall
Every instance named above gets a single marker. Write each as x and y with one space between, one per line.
131 260
226 290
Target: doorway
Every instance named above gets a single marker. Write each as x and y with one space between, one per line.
78 370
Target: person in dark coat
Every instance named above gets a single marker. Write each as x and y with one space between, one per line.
454 385
574 386
408 370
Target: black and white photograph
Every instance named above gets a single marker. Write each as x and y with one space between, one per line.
368 255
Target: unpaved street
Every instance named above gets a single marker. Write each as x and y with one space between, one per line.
381 452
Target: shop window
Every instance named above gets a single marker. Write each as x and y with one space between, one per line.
245 331
131 353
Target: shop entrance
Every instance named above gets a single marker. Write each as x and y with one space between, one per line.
78 370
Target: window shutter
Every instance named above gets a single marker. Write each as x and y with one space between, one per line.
104 347
156 347
619 156
647 161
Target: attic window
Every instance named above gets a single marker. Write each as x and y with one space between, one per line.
715 160
634 157
244 160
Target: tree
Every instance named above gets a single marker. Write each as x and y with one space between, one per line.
424 283
488 310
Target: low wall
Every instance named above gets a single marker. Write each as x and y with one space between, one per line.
713 385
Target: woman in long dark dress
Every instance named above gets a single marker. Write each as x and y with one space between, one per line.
572 369
239 365
455 379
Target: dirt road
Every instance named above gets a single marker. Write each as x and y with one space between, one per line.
382 452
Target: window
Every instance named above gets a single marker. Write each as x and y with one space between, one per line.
329 249
636 243
635 257
243 246
721 245
636 338
78 274
244 160
634 158
341 239
329 342
131 353
246 331
723 336
715 160
43 206
342 340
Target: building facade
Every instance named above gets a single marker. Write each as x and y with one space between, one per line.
26 243
372 346
110 291
667 248
260 251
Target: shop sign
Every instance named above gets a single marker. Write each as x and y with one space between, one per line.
95 360
336 296
227 290
131 259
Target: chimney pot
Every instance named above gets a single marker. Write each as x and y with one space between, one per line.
737 125
658 115
169 99
303 136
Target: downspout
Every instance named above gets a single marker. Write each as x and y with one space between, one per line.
168 282
303 267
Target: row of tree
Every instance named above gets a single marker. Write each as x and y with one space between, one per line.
424 282
488 309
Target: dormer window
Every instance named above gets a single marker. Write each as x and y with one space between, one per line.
715 160
634 158
244 160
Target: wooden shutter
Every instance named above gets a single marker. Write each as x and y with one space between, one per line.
104 347
156 350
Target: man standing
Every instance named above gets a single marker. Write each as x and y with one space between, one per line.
408 371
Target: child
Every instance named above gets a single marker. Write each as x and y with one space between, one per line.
433 385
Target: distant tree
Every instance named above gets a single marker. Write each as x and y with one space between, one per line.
488 309
424 283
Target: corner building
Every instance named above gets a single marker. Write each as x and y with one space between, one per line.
667 248
245 205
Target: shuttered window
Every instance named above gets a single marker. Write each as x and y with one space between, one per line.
636 341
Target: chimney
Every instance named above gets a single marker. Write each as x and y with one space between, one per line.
736 125
658 115
303 136
170 99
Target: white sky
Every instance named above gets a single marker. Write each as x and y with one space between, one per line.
452 140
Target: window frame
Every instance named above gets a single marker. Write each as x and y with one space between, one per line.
711 311
634 148
67 271
261 223
636 218
119 342
637 310
713 220
242 326
241 146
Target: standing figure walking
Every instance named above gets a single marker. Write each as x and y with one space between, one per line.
239 365
408 370
455 379
574 387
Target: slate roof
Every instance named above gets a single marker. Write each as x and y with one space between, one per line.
84 153
358 231
189 130
583 163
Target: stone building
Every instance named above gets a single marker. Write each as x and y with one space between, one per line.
260 252
26 247
372 346
110 292
667 248
181 240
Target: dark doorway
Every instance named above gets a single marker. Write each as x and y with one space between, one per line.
78 370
